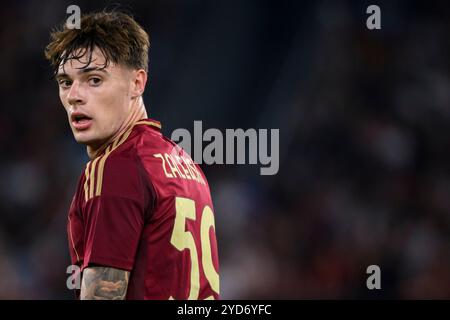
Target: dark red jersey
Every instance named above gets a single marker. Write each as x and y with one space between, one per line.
144 206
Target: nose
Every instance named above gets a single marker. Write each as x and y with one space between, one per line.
74 96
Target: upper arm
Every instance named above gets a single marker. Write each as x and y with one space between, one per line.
114 219
104 283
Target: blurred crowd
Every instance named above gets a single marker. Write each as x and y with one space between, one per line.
364 142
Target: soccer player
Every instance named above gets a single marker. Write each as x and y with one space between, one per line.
141 222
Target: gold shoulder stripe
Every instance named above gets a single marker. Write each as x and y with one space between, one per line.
150 123
101 165
86 181
91 177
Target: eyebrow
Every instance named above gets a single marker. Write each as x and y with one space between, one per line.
81 71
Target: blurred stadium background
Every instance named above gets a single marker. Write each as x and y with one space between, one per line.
364 149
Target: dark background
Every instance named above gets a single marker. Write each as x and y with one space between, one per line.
364 142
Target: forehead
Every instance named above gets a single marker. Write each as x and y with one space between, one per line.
80 60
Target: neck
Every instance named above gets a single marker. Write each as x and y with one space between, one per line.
137 112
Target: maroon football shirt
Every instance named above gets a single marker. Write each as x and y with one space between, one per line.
144 206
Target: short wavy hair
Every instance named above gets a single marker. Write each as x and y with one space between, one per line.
116 34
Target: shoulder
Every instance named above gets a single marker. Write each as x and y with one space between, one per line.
115 173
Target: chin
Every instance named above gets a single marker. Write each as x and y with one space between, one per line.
89 139
84 138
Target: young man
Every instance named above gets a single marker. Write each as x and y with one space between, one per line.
141 223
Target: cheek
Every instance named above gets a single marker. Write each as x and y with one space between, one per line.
62 98
115 101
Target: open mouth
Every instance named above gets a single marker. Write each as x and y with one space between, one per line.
80 118
81 121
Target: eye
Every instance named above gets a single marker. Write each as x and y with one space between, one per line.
64 83
95 81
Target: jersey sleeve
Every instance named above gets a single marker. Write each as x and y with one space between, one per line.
115 218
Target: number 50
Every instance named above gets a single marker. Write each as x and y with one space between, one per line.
181 239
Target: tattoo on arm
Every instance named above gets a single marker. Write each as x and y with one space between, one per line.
103 283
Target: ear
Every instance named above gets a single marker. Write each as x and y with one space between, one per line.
139 80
